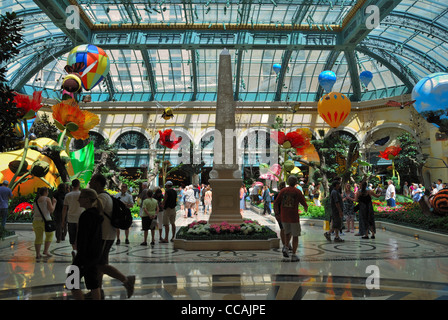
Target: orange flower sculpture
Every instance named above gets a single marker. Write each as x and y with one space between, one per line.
390 153
77 122
28 107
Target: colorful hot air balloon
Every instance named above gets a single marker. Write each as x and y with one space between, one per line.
334 108
366 77
327 79
277 67
96 64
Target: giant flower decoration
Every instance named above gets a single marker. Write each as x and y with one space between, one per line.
294 139
28 107
390 153
169 140
76 122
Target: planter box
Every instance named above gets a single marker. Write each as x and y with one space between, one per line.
211 245
8 241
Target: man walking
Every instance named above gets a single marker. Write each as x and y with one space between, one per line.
336 212
288 200
125 197
390 194
169 205
98 183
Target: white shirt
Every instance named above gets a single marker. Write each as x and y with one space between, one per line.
74 210
125 198
43 208
189 196
109 232
439 187
390 189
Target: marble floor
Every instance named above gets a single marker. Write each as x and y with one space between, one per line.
392 266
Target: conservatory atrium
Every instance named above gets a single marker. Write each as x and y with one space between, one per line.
137 71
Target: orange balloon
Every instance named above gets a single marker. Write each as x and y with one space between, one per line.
334 108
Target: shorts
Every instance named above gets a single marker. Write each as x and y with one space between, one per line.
189 205
107 245
292 228
148 223
169 216
39 230
336 221
91 276
72 229
160 219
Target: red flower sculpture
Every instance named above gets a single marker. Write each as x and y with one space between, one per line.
292 139
25 105
390 153
169 140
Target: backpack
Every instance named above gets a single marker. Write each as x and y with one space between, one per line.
121 216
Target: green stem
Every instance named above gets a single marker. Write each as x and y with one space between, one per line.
284 169
22 178
12 185
67 144
163 167
61 137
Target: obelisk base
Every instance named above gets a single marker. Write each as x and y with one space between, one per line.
225 201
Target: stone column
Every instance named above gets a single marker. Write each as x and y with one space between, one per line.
225 176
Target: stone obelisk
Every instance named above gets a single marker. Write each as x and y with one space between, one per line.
225 177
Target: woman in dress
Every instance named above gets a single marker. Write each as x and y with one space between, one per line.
42 206
348 196
208 200
366 214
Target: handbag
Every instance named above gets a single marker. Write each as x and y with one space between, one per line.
50 225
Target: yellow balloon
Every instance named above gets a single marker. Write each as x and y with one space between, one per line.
334 108
31 185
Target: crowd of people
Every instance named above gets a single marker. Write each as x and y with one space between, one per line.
77 212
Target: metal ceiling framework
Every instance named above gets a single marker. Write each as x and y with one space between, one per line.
343 36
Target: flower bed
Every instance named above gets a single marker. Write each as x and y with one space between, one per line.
202 230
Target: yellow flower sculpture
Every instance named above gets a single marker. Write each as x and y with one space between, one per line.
75 121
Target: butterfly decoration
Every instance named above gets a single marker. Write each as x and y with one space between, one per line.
342 162
167 114
393 103
382 141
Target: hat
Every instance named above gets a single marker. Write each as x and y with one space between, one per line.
168 183
5 182
301 182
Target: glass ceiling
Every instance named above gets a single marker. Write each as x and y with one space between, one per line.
169 51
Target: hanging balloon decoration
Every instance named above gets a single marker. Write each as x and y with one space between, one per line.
366 77
96 64
431 99
327 79
277 67
334 108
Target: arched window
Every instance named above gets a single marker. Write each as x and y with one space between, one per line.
96 137
132 140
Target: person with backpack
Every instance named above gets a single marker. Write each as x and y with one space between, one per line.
109 232
89 243
169 206
125 197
